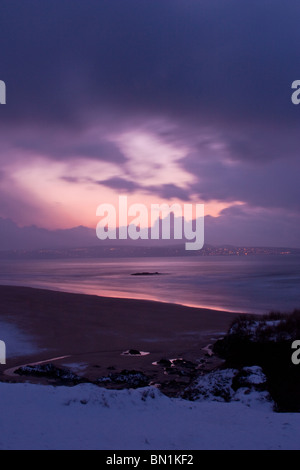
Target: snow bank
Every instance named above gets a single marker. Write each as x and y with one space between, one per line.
90 417
230 385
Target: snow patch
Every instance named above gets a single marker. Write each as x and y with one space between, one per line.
230 385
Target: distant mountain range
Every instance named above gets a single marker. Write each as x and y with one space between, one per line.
35 238
13 237
81 242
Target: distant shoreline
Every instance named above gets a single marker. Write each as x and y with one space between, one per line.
139 250
130 296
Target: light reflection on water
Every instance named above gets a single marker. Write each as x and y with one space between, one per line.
255 284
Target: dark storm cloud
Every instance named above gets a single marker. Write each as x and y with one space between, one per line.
190 60
241 226
170 191
64 147
219 73
165 191
120 184
264 184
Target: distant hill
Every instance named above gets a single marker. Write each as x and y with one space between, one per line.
81 242
13 237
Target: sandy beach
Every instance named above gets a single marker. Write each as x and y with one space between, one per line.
90 334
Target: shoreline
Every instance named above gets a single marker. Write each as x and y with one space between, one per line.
120 295
95 332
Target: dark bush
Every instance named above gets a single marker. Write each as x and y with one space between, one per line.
266 341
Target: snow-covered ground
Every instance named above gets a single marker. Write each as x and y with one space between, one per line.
90 417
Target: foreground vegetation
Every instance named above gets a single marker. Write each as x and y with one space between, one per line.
266 341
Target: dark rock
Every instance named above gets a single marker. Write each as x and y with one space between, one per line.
214 386
51 372
171 370
184 363
126 378
250 377
134 352
164 362
173 388
145 274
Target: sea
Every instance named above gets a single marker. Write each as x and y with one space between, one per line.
245 284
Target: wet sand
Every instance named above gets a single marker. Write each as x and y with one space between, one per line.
94 332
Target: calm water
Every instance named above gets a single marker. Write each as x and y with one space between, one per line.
255 284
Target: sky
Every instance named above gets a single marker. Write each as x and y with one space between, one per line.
185 101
